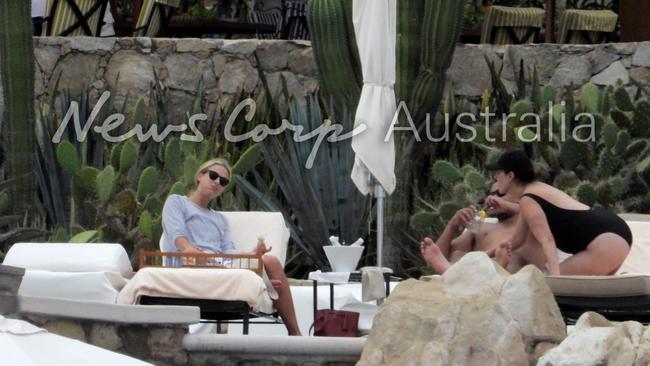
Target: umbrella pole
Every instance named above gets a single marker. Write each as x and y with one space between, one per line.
380 194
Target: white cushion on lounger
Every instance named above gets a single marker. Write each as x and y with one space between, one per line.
89 286
246 226
198 283
638 261
66 257
600 286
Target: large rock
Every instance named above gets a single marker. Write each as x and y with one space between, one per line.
185 70
77 72
642 55
596 341
544 57
573 69
238 75
641 75
135 71
301 61
601 57
475 314
273 55
469 72
612 74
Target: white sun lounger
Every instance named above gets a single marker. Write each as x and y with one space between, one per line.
624 296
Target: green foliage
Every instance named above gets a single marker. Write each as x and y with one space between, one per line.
586 193
145 224
89 236
174 158
17 77
67 156
445 173
148 183
105 184
422 220
128 156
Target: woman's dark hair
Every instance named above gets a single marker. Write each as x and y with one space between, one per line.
517 162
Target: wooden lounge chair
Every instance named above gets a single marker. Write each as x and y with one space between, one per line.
250 297
154 16
74 17
511 25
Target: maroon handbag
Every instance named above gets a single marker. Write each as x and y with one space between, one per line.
336 323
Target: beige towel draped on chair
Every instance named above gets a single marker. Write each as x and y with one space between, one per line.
510 25
154 16
586 26
74 17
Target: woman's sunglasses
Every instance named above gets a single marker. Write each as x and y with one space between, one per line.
223 181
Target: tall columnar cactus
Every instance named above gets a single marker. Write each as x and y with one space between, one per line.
17 74
335 49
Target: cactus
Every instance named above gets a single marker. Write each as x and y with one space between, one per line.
589 97
66 154
148 183
17 76
422 220
635 148
247 160
89 236
565 180
572 153
173 158
445 173
609 135
335 49
618 185
607 164
137 117
426 37
105 184
622 119
4 203
178 188
623 140
475 181
548 95
643 168
641 119
153 205
145 224
189 169
586 193
448 209
622 100
605 194
115 155
128 156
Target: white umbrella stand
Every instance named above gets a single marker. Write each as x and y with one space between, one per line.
374 164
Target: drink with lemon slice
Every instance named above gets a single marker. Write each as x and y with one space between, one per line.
475 225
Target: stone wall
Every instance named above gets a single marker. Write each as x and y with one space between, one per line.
126 66
557 65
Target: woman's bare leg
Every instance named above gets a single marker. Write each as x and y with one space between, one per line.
603 256
433 256
284 302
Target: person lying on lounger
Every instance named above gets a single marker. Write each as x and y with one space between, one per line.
449 248
190 226
550 219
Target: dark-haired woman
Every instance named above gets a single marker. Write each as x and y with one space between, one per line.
551 219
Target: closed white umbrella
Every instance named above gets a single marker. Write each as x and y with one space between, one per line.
374 163
24 344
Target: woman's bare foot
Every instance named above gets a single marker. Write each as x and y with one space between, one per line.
433 256
503 253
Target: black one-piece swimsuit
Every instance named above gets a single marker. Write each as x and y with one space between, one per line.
573 230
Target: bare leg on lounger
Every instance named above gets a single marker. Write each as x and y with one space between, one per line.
284 303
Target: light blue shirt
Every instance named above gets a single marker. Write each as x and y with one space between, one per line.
204 228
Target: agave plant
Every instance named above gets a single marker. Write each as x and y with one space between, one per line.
319 201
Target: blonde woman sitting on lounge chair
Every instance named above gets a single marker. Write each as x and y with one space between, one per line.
550 219
190 226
